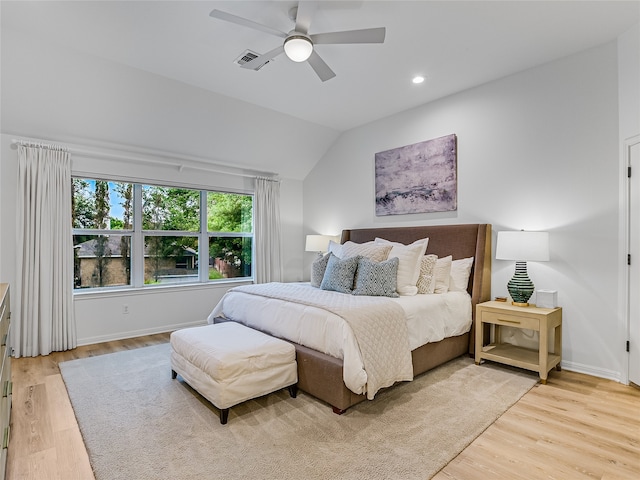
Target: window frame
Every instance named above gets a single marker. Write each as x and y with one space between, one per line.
138 234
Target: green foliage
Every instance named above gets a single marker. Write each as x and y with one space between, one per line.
116 224
103 258
165 208
235 251
125 191
214 274
83 211
102 204
227 212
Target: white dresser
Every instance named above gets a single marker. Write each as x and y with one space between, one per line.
5 375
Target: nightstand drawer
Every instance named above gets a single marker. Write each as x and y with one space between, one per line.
510 320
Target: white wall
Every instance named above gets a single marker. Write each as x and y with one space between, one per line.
629 75
536 151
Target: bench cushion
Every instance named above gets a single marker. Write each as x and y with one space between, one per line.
229 363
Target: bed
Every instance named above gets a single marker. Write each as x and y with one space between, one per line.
330 375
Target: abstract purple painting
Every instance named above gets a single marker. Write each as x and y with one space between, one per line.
418 178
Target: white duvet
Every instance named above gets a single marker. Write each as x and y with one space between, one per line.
430 318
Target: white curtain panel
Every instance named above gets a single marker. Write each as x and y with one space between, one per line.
268 259
44 287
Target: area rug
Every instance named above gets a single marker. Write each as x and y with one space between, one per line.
138 423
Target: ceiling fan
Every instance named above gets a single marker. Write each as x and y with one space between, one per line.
298 44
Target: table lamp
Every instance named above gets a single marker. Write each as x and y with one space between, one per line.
318 243
522 247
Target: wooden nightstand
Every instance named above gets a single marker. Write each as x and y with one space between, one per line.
542 320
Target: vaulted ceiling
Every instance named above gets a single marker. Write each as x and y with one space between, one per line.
454 44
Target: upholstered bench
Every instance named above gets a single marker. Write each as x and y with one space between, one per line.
228 363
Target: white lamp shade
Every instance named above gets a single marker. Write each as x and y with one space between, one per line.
298 48
523 246
318 243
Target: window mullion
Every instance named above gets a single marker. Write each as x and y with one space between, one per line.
203 241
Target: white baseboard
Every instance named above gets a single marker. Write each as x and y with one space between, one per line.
138 333
593 371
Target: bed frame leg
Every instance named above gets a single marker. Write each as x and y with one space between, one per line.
173 374
224 416
293 390
338 411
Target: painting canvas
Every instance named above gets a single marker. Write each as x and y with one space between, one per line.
418 178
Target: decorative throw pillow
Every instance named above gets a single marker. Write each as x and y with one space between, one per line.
460 271
339 274
426 283
442 274
409 267
377 279
318 268
375 252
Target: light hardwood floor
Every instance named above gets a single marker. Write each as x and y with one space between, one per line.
574 427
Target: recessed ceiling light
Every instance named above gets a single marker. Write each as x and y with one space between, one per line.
418 79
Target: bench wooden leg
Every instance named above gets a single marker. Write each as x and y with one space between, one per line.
293 390
224 415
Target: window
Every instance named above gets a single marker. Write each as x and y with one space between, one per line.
129 234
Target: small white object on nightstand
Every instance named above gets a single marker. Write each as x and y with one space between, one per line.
547 298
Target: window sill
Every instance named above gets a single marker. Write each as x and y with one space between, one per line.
87 294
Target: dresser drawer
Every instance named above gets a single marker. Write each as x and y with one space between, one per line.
510 320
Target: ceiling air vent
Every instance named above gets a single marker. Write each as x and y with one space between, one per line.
247 56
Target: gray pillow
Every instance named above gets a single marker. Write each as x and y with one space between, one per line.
318 268
378 279
339 274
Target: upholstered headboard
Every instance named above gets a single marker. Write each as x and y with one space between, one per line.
459 241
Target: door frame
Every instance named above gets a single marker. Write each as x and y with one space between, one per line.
625 233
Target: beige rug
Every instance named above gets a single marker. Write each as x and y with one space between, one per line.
138 424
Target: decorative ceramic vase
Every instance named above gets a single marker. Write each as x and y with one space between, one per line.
520 286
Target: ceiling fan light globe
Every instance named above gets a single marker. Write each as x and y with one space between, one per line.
298 48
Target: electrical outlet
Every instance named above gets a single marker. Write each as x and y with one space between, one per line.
125 309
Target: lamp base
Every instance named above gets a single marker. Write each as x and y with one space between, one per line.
520 287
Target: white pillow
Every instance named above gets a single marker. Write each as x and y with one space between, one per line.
410 258
460 271
370 250
442 274
426 283
335 248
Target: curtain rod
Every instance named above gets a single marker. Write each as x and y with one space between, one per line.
31 143
192 163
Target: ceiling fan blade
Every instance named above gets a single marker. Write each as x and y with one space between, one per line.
320 67
367 35
303 17
264 58
228 17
